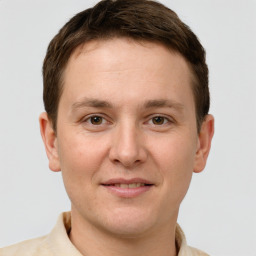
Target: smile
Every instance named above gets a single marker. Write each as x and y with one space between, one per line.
127 188
131 185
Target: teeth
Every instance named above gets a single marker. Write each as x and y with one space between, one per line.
124 185
132 185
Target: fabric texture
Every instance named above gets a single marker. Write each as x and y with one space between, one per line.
57 243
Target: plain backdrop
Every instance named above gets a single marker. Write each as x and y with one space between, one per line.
218 214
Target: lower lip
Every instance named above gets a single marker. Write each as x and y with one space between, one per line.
128 192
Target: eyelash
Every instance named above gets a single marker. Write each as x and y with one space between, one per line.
89 119
166 120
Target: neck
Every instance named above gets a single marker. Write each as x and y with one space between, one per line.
90 241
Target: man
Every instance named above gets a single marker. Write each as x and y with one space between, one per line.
126 99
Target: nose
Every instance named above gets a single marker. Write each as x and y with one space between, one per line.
127 147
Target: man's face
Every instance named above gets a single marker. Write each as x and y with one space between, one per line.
127 140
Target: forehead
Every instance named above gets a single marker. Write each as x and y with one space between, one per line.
128 52
125 63
117 49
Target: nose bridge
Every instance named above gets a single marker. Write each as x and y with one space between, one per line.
127 147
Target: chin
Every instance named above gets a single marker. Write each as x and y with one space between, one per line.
129 223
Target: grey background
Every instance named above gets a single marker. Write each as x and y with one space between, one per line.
218 214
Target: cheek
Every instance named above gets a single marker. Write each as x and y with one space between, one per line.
175 160
80 159
174 151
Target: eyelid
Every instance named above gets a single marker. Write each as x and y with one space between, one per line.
87 117
168 118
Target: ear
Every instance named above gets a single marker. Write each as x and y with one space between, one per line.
204 143
50 142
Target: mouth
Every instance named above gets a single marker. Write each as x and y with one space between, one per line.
130 185
127 188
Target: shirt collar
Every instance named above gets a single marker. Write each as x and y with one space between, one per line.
60 244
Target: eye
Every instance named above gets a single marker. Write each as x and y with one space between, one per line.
95 120
159 120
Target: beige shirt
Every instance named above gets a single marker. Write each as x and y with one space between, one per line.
57 243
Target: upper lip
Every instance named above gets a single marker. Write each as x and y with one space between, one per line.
126 181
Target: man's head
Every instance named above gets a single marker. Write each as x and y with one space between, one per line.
139 20
126 90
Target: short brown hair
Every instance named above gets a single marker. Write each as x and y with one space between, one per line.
137 19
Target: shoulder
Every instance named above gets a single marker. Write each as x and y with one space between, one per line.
33 247
184 249
196 252
55 243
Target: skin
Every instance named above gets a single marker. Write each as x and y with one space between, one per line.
145 129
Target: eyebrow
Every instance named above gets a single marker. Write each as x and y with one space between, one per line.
87 102
96 103
163 103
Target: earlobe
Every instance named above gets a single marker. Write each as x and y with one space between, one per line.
50 142
204 143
